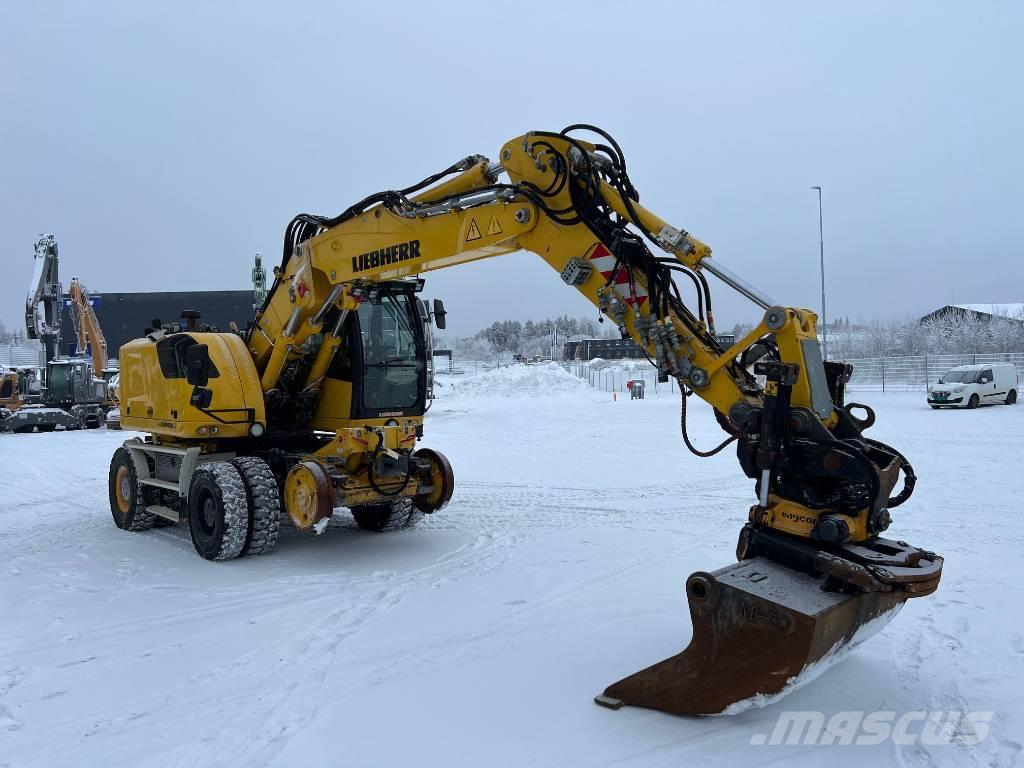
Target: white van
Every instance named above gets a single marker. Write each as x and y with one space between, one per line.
968 386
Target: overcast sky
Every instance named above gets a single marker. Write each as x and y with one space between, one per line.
164 148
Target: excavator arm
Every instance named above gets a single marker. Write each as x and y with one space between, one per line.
43 304
813 570
87 325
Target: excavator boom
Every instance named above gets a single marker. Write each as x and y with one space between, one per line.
87 325
43 305
813 570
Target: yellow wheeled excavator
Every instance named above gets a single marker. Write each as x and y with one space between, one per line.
320 402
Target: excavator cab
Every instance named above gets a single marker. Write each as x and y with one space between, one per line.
391 371
380 367
9 390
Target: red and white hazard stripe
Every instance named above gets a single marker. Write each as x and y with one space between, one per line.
604 262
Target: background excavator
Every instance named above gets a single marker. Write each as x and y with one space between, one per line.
320 403
70 393
90 338
89 335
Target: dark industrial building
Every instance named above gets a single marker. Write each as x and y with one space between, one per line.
126 316
618 349
606 349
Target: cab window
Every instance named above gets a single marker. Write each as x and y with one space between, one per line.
171 352
392 368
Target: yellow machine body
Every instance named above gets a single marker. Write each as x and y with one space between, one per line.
10 395
155 395
324 395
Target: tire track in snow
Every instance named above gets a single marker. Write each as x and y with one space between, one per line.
457 642
321 639
918 648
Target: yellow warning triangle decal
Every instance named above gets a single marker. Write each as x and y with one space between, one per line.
474 231
494 228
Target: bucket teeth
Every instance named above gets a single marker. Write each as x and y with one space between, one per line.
757 627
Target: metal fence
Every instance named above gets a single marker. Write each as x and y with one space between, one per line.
23 354
615 378
912 373
907 373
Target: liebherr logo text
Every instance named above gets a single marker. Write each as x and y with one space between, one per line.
385 256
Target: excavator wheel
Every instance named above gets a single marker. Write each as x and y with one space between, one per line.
264 502
391 516
218 511
442 480
128 497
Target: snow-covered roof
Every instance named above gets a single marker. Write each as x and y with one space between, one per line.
1014 310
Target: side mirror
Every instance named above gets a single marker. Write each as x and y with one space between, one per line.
197 365
439 314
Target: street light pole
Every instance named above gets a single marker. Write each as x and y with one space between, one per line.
821 251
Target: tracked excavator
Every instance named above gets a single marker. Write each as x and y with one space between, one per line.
320 403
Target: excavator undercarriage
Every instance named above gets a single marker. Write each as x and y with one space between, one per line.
322 399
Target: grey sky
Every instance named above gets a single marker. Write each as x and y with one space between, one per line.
165 147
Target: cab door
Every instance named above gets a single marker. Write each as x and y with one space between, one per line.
389 373
987 387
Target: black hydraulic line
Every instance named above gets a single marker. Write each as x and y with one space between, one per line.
682 269
682 425
629 194
909 476
373 482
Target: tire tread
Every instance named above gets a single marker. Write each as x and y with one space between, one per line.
264 504
227 482
138 518
389 516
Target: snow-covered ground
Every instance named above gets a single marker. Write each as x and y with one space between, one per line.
480 637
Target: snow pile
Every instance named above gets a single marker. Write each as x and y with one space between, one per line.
511 381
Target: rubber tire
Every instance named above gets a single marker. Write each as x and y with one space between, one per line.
24 430
974 401
390 516
1011 398
264 501
47 427
220 484
136 518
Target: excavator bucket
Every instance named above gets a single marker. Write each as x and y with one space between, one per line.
760 629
